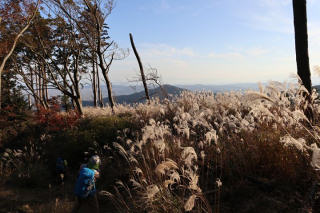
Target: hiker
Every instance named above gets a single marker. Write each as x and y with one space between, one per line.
85 188
61 169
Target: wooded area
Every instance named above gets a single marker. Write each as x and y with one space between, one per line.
61 45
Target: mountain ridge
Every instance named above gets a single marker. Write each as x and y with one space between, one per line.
139 97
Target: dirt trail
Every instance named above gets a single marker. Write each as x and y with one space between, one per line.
58 198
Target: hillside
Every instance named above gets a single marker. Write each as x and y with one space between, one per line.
139 97
239 152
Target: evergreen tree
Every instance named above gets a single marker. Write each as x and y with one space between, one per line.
12 97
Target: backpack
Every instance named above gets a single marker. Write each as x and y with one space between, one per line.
60 165
85 185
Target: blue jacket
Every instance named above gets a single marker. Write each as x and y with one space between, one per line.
85 185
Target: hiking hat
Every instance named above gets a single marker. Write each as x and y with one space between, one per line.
94 162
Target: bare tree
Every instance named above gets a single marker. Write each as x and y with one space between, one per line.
152 78
301 42
143 78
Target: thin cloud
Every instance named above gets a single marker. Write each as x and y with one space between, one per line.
250 52
268 15
230 55
271 21
257 51
164 50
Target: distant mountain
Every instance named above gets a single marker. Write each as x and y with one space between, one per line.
139 97
220 88
120 89
317 87
125 93
117 89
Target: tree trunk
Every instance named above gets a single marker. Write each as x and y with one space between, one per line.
101 103
32 87
29 102
100 97
47 94
74 105
109 88
143 78
301 42
44 87
39 88
78 104
77 88
94 84
105 68
46 84
36 91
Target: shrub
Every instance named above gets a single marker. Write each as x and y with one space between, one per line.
105 129
52 120
88 134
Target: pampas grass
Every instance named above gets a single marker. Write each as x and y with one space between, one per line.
181 154
184 148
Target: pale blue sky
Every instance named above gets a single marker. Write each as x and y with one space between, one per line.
212 41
